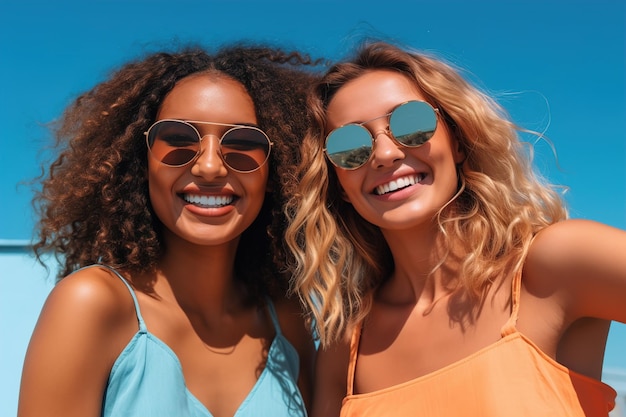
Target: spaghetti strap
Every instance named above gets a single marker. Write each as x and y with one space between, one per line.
354 351
274 316
509 326
142 324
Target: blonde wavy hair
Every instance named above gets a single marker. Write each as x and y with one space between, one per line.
501 203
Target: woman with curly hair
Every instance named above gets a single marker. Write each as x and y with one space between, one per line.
441 271
164 209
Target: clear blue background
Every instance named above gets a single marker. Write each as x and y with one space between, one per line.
556 66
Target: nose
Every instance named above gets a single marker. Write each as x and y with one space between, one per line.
209 163
386 151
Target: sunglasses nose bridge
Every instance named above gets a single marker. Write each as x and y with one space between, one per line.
209 135
378 126
379 132
209 152
387 150
204 143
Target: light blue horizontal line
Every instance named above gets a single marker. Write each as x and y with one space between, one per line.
15 243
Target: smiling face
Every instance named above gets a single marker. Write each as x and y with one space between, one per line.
398 188
205 202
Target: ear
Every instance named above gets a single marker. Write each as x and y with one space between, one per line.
458 152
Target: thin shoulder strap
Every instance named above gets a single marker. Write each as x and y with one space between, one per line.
354 351
273 315
142 324
509 326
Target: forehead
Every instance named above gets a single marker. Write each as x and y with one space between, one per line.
369 96
208 97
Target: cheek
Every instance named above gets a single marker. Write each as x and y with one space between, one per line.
451 142
349 183
257 184
160 180
156 199
155 179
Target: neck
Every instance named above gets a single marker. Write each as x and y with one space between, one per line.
424 270
200 278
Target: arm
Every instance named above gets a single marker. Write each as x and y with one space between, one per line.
575 278
331 373
584 263
84 324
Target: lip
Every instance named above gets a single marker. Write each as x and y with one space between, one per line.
213 201
397 182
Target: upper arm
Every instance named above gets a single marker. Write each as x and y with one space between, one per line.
584 263
83 326
331 372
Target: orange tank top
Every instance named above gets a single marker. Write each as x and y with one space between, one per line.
511 378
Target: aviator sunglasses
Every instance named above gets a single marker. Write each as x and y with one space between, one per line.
411 124
176 143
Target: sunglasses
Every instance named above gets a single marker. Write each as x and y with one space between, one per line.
411 124
176 143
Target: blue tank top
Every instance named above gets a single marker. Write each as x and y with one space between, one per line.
147 380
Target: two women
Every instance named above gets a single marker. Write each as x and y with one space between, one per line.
443 275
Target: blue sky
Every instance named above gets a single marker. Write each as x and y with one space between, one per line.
556 66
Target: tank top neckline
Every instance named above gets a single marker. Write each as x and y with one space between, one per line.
142 325
143 330
508 332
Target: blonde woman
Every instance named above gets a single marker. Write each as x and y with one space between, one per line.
443 274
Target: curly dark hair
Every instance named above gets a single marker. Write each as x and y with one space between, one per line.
94 206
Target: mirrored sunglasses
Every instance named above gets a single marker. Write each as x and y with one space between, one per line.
176 143
411 124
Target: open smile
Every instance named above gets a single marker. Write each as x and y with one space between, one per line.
399 184
208 201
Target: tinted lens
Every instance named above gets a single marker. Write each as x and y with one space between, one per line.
349 146
173 143
413 123
245 149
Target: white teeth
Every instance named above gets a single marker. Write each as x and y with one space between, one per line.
208 201
399 184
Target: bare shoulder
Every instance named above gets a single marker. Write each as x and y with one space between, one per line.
331 376
298 331
84 325
571 244
292 322
89 309
333 361
92 293
583 261
576 235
